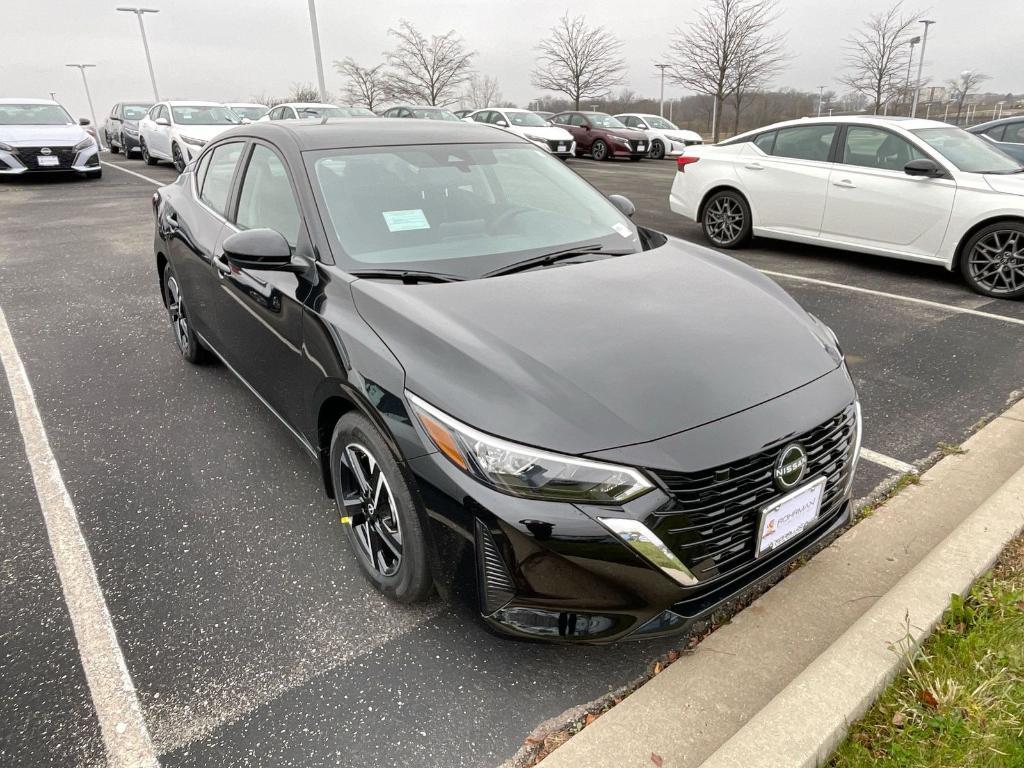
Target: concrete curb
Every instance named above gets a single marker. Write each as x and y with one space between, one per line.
809 719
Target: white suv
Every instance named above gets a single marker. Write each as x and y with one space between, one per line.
177 131
913 189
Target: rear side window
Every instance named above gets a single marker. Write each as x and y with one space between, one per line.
766 142
216 182
805 142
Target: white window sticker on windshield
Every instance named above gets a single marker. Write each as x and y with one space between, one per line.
622 229
402 221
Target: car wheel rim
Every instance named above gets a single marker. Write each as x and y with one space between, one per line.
658 151
724 220
176 310
599 151
370 508
996 263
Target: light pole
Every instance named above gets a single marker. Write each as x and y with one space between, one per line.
81 68
821 95
662 67
920 66
906 87
139 12
316 51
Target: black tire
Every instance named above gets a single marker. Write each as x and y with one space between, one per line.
657 151
178 159
184 337
374 531
635 158
599 150
150 160
992 261
726 219
114 148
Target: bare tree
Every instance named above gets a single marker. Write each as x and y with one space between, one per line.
877 55
728 45
580 61
364 86
427 71
961 87
482 91
305 92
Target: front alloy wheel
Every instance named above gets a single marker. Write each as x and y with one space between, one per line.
657 151
179 161
371 510
993 261
726 219
599 151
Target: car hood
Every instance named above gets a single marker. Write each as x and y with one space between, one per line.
1010 184
626 133
41 135
684 134
543 131
586 357
203 132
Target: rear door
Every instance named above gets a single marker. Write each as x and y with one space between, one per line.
873 203
579 126
785 173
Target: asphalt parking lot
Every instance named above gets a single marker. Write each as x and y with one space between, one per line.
248 633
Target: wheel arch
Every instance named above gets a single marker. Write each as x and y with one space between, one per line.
723 188
966 238
161 268
329 413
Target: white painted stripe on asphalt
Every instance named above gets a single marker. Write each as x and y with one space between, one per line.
127 741
133 173
898 297
887 461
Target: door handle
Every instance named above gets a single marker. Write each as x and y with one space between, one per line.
754 167
844 183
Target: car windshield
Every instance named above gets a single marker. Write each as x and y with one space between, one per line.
135 111
968 152
661 123
433 114
204 115
459 209
34 114
360 112
605 121
327 111
253 113
526 119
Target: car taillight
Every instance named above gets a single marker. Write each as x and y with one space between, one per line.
684 160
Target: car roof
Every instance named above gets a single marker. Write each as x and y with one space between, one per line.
640 114
351 132
245 104
301 104
28 101
907 123
1000 121
193 103
426 106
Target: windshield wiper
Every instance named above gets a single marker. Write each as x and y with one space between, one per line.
407 276
550 258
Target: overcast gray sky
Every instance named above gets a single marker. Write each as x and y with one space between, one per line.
233 49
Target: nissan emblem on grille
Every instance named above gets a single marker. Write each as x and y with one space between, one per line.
790 466
45 151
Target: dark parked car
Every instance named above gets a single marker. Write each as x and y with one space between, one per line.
121 129
514 393
602 136
1007 134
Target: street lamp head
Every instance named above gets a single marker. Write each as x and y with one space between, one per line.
80 66
926 22
915 40
139 11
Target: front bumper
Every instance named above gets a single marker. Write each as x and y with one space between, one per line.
26 160
630 149
561 149
130 142
552 571
676 148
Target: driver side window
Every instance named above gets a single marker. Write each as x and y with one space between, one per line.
267 199
871 147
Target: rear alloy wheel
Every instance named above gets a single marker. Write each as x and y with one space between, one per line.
184 336
726 219
599 151
992 262
179 161
376 505
657 151
150 160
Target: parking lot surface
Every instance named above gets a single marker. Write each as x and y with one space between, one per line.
248 632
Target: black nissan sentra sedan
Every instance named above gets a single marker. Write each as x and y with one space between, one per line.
514 392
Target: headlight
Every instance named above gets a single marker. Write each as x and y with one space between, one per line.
7 147
620 138
131 130
85 143
835 348
193 142
523 471
539 139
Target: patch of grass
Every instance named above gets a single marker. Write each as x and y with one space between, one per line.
960 701
897 485
951 449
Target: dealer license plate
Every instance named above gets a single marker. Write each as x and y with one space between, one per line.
641 147
47 160
561 147
789 516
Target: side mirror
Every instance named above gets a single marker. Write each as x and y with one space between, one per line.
923 167
83 121
586 127
258 249
246 121
162 121
502 124
624 204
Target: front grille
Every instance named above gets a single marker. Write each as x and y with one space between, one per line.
713 526
634 146
553 144
29 157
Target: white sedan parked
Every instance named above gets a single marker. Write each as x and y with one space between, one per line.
667 140
530 126
908 188
177 131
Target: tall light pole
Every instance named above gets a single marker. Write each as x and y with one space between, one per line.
821 95
139 12
662 67
920 65
316 51
906 87
81 68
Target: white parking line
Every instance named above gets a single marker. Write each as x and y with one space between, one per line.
887 461
133 173
898 297
125 737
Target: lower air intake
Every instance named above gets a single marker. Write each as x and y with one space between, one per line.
496 586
